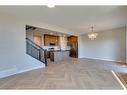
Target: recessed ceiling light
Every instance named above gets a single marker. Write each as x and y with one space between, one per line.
51 5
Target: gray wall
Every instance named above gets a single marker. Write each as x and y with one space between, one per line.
109 45
13 57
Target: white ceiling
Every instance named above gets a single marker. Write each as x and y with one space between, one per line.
78 19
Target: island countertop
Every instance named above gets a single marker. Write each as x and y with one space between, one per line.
59 50
59 55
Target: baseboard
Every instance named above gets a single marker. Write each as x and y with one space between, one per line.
34 68
14 71
8 72
104 60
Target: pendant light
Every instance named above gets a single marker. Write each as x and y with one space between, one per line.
92 35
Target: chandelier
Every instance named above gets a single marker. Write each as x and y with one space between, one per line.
92 35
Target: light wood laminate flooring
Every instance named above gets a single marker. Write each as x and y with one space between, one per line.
68 74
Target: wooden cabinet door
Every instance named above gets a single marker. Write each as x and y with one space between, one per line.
51 39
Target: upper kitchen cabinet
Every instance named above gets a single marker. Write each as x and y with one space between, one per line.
51 40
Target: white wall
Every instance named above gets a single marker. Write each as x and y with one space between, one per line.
109 45
13 57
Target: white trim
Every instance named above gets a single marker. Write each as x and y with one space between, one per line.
103 59
11 72
7 72
126 43
119 80
26 70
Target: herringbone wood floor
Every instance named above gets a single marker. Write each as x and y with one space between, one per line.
68 74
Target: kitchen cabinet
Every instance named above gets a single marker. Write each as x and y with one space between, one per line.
51 40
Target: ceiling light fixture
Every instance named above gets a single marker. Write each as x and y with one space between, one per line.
92 35
51 5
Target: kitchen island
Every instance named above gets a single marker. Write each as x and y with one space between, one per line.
59 55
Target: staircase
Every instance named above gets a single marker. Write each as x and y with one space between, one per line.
36 51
